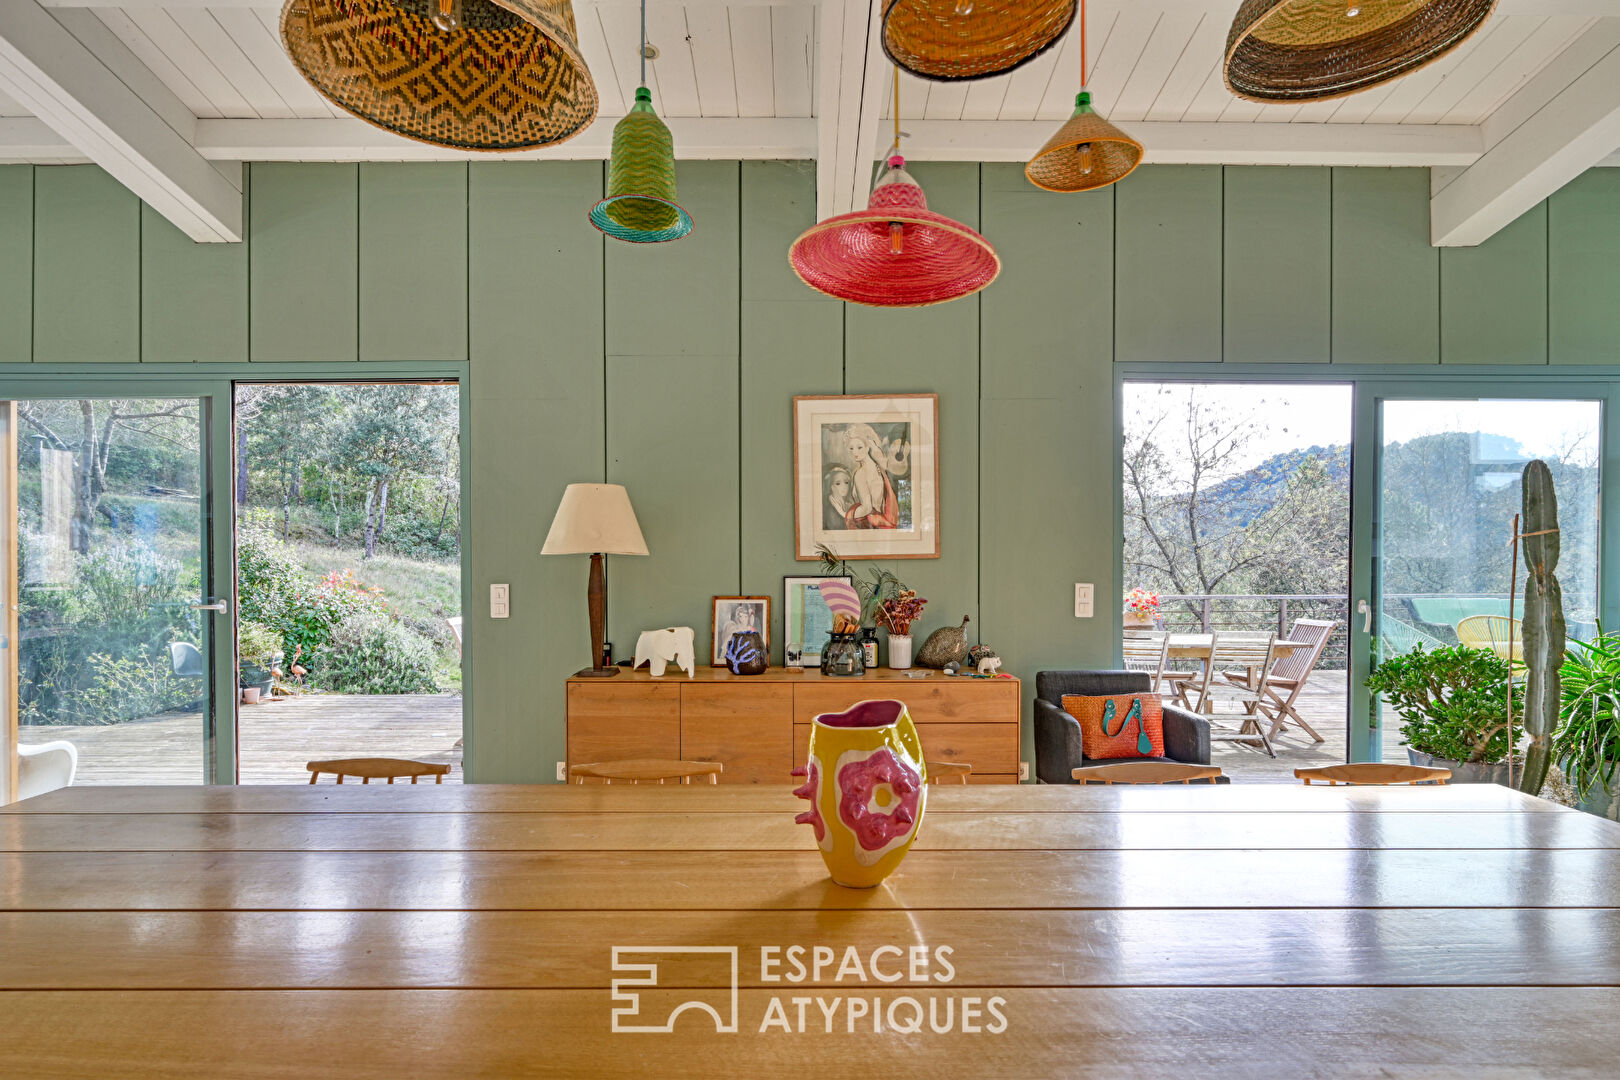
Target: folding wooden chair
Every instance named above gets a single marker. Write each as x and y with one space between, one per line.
1147 651
1256 656
1288 676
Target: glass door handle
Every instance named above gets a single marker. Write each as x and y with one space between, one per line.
220 606
1364 609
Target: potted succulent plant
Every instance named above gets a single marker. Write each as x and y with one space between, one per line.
1587 745
1452 702
258 655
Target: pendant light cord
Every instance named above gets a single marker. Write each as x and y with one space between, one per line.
896 110
644 43
1083 85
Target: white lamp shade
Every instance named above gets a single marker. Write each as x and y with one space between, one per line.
595 518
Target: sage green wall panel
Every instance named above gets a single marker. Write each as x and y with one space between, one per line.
1583 250
672 440
1386 277
303 262
413 261
537 425
1493 298
681 297
1278 264
16 264
87 267
778 203
1167 264
193 296
1050 313
934 350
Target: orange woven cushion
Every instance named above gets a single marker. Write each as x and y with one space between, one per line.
1097 744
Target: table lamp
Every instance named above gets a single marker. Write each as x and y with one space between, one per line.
595 520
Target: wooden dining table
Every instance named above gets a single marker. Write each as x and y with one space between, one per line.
504 931
1198 646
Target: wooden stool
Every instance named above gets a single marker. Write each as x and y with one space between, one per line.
647 771
948 772
1374 772
376 768
1146 772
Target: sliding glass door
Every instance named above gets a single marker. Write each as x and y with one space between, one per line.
1434 511
123 626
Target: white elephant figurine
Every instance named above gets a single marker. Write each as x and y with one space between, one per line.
989 665
658 648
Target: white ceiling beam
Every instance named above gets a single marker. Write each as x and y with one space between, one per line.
83 99
850 82
1562 122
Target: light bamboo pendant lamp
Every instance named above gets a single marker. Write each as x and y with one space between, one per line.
951 40
1310 50
1087 152
640 207
896 252
465 74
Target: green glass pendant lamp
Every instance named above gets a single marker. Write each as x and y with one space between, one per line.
1087 152
640 207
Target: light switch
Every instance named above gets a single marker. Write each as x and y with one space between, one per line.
1085 595
500 601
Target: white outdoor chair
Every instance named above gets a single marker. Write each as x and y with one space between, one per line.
1147 651
1252 655
45 767
1288 677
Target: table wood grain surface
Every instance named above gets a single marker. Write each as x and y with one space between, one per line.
461 932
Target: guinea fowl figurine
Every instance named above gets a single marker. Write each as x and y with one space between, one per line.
947 644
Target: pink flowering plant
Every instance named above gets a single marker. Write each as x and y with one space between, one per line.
1142 602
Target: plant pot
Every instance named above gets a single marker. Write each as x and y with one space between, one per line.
1139 620
899 651
1602 803
1465 772
250 695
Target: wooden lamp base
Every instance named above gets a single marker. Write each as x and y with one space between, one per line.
596 599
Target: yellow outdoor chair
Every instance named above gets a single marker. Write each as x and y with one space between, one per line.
1493 632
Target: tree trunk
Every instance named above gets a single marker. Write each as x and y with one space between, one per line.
241 464
382 511
376 510
444 515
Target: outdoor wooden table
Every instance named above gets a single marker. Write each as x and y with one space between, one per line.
460 932
1197 646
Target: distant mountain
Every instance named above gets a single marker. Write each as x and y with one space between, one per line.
1245 497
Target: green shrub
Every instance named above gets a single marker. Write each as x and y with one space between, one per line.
273 590
1588 743
1452 699
256 642
370 653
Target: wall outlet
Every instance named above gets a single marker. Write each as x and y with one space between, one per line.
1085 596
562 771
500 601
1023 770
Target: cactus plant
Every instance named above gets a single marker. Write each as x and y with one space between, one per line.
1543 622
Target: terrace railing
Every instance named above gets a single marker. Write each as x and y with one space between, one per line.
1210 612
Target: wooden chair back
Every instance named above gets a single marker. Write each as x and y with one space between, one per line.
1296 666
377 768
948 772
1493 632
1254 652
1146 772
646 771
1374 772
1147 651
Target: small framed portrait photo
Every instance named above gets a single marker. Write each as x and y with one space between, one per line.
866 476
735 614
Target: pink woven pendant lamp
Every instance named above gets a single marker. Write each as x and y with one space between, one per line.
896 252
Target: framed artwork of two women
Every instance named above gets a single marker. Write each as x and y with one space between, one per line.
866 476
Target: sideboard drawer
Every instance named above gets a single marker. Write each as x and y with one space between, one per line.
992 749
748 728
934 700
614 719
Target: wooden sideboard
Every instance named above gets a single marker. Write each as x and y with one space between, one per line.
759 725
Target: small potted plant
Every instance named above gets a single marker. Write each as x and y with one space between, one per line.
1452 702
1141 608
258 654
896 613
1587 745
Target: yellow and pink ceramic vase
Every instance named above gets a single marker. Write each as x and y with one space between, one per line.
865 783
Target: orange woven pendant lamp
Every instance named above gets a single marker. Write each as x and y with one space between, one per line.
951 40
1311 50
465 74
1087 152
896 252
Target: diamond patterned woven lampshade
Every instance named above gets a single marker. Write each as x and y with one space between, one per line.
1086 152
640 206
896 252
948 40
1310 50
509 76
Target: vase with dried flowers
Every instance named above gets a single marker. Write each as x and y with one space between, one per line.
1141 608
896 613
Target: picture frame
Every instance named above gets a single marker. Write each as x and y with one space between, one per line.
806 619
866 476
731 614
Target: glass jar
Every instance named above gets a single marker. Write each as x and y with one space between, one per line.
843 655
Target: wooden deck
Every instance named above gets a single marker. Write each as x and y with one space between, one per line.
276 739
1324 706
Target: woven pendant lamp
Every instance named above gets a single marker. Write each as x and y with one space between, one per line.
952 40
640 206
896 252
1087 152
465 74
1310 50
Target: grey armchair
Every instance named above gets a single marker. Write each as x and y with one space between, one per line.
1057 734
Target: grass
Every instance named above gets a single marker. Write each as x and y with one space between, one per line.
424 593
